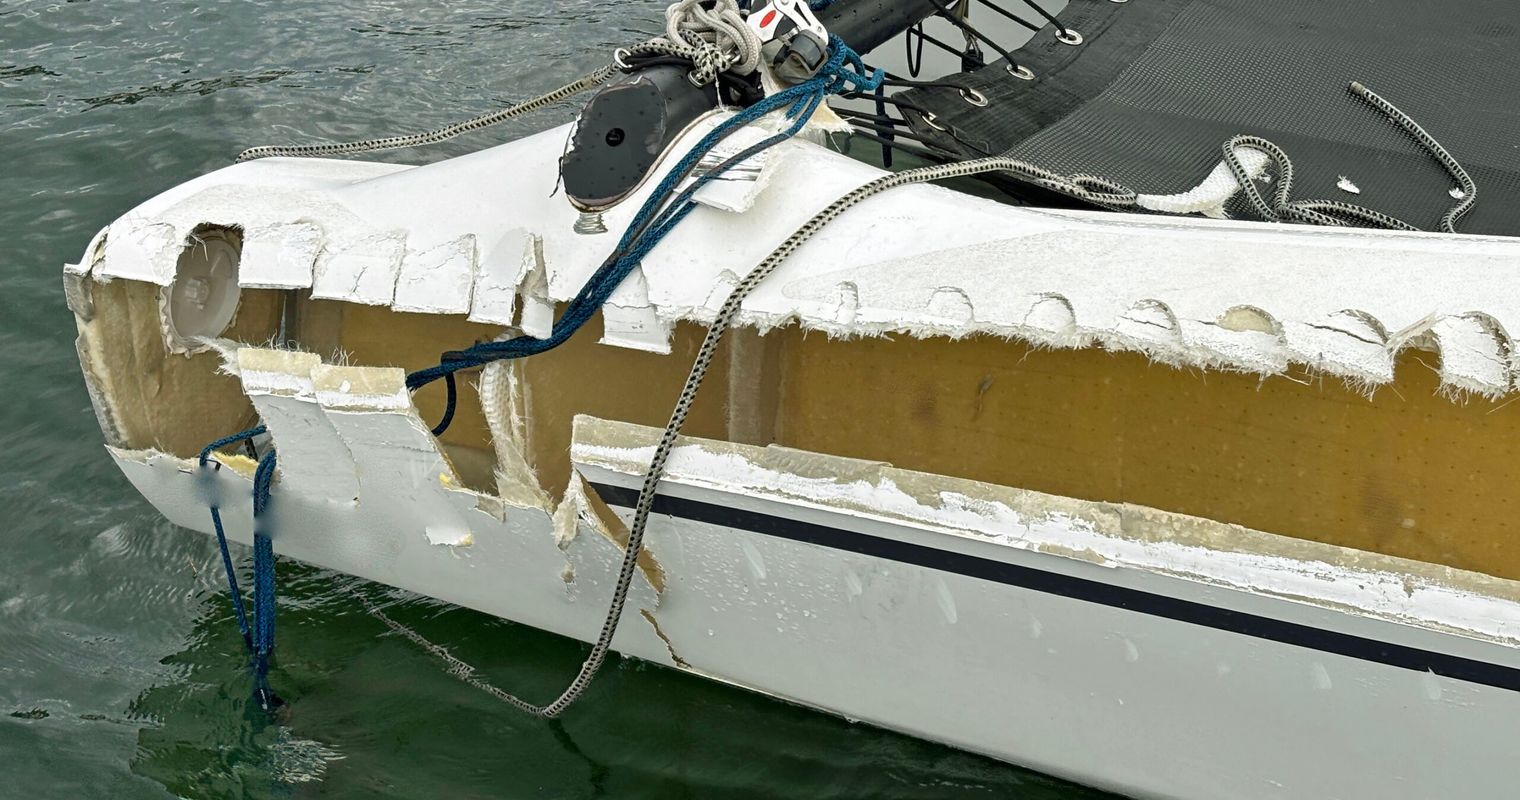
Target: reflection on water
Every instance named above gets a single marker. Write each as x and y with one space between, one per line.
121 671
368 712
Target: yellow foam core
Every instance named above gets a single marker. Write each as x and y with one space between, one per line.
1405 472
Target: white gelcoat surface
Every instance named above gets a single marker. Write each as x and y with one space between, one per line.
1129 701
311 452
439 280
502 269
280 256
919 259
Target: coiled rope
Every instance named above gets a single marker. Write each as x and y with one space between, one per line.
1335 212
715 39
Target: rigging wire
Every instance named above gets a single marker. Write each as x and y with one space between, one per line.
971 30
1010 15
1049 17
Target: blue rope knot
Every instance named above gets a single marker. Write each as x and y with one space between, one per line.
848 72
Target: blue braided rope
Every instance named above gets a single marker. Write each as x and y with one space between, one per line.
263 581
233 592
259 639
263 560
633 246
449 408
844 71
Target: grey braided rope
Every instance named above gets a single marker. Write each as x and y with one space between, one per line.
1469 187
456 667
703 361
716 40
431 137
1084 187
1281 209
1335 212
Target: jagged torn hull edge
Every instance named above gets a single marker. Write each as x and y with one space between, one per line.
1189 292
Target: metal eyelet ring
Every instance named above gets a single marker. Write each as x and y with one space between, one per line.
1021 72
933 121
1069 36
974 97
620 58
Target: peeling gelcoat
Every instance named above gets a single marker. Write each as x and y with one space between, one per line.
1120 536
1341 301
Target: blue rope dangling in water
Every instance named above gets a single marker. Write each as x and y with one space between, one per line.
258 639
233 591
844 71
263 583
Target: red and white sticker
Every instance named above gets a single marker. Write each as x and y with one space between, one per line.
767 20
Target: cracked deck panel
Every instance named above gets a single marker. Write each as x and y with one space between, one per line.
919 260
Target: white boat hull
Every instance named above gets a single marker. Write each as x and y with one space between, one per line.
1148 653
980 631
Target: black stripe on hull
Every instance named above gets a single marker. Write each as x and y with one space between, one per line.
1276 630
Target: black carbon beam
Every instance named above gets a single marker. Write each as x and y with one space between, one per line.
868 24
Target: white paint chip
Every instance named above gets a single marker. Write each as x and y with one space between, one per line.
503 267
437 280
142 251
1345 185
280 256
363 272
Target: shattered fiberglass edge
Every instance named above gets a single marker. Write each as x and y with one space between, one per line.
921 260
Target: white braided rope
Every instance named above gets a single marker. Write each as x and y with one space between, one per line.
715 40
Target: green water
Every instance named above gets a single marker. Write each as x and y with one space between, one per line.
121 672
